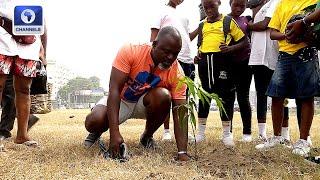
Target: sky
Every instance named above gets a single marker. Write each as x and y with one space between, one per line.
86 35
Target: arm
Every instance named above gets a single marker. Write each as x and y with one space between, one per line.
242 43
259 26
193 34
154 33
43 47
117 81
276 35
181 133
297 28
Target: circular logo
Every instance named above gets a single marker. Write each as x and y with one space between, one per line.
28 16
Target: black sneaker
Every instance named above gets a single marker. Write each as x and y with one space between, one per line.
148 142
32 121
91 139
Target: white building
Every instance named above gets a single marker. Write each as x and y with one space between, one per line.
58 75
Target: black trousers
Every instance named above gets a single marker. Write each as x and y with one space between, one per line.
8 114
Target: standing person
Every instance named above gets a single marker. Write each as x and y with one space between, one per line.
296 76
242 74
263 56
21 60
215 53
143 84
170 17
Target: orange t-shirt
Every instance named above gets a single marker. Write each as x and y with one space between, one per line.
136 61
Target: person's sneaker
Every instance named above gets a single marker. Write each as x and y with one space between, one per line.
148 142
301 148
166 136
309 141
246 138
270 143
199 138
228 140
32 121
91 139
261 139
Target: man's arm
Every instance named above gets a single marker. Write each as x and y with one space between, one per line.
117 81
154 34
276 35
180 132
259 26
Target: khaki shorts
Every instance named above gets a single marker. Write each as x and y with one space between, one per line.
128 110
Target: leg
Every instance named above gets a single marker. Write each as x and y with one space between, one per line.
97 121
242 78
277 115
299 108
8 108
307 112
157 103
22 101
285 124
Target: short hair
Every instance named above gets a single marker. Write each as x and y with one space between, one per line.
169 30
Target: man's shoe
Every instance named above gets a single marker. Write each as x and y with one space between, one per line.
228 140
32 121
91 139
301 148
271 142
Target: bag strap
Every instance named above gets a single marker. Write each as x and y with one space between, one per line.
226 26
200 35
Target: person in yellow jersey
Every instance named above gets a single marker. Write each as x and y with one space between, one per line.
296 76
214 66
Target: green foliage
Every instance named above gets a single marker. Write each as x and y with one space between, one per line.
79 83
186 111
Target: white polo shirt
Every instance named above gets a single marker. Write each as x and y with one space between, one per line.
8 46
264 51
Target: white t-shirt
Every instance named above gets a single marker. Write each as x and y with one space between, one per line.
8 46
169 16
264 51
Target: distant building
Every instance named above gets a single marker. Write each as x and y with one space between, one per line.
58 75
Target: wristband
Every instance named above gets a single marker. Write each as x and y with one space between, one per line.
182 152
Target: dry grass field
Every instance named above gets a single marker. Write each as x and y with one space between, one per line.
62 156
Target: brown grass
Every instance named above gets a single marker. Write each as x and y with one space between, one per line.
62 156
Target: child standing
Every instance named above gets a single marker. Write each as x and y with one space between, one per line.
214 65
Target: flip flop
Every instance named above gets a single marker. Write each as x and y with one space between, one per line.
31 143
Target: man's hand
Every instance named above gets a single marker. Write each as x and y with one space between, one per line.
294 30
114 146
225 48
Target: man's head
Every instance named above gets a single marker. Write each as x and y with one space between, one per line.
238 7
166 47
211 7
252 4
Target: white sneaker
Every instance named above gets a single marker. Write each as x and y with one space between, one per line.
270 143
309 141
166 136
199 138
301 148
246 138
228 140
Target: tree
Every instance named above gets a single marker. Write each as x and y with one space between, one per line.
78 83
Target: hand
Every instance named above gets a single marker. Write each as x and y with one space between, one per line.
294 30
249 25
225 48
196 59
114 146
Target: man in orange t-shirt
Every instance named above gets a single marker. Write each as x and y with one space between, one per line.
143 84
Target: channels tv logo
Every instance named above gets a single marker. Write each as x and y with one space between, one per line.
28 20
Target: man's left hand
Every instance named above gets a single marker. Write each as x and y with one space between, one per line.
294 30
225 48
